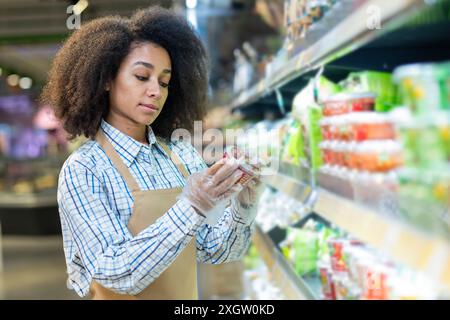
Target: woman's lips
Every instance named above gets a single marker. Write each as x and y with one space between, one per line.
149 107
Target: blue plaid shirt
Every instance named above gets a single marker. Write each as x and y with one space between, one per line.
95 206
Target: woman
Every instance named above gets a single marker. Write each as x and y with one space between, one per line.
133 206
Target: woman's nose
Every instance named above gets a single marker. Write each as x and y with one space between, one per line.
153 88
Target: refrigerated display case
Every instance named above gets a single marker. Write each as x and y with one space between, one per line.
383 176
33 149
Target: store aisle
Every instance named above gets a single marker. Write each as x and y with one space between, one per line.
34 268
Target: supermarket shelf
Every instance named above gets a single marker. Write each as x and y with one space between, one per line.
294 184
14 200
292 286
424 252
294 181
289 185
343 38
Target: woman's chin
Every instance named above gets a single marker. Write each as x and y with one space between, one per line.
146 120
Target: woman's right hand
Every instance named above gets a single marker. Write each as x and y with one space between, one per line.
206 189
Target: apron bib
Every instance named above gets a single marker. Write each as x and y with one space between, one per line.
179 280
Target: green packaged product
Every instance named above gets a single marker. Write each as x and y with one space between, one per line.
315 135
425 138
301 248
309 113
443 131
294 146
286 246
431 147
324 234
306 250
424 198
410 135
424 87
379 83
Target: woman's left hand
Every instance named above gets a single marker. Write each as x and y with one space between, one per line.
250 194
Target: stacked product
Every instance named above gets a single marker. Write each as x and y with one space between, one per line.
365 142
304 247
424 129
302 145
388 138
358 134
359 139
349 269
354 271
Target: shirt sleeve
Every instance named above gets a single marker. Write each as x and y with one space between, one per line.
228 239
109 253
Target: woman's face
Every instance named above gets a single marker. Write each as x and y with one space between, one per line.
140 89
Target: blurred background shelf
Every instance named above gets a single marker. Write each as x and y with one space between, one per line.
29 214
15 200
293 286
422 251
407 35
341 39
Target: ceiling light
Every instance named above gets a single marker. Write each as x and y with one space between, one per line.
13 80
191 4
25 83
80 6
192 18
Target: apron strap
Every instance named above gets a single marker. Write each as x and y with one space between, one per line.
175 158
115 158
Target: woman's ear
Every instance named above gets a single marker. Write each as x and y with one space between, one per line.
108 86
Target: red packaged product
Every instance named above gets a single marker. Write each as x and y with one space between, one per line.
325 126
248 171
349 102
376 283
328 289
340 152
362 102
370 126
336 247
334 107
327 153
376 156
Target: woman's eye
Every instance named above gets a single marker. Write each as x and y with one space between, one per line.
164 85
141 78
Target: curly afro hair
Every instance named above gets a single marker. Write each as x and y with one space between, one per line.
91 56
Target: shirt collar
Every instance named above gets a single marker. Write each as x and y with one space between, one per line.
126 146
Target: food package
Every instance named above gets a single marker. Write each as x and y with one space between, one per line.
249 171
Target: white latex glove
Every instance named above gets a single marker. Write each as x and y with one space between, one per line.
246 201
250 193
208 189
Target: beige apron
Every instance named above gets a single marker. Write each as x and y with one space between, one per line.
179 280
